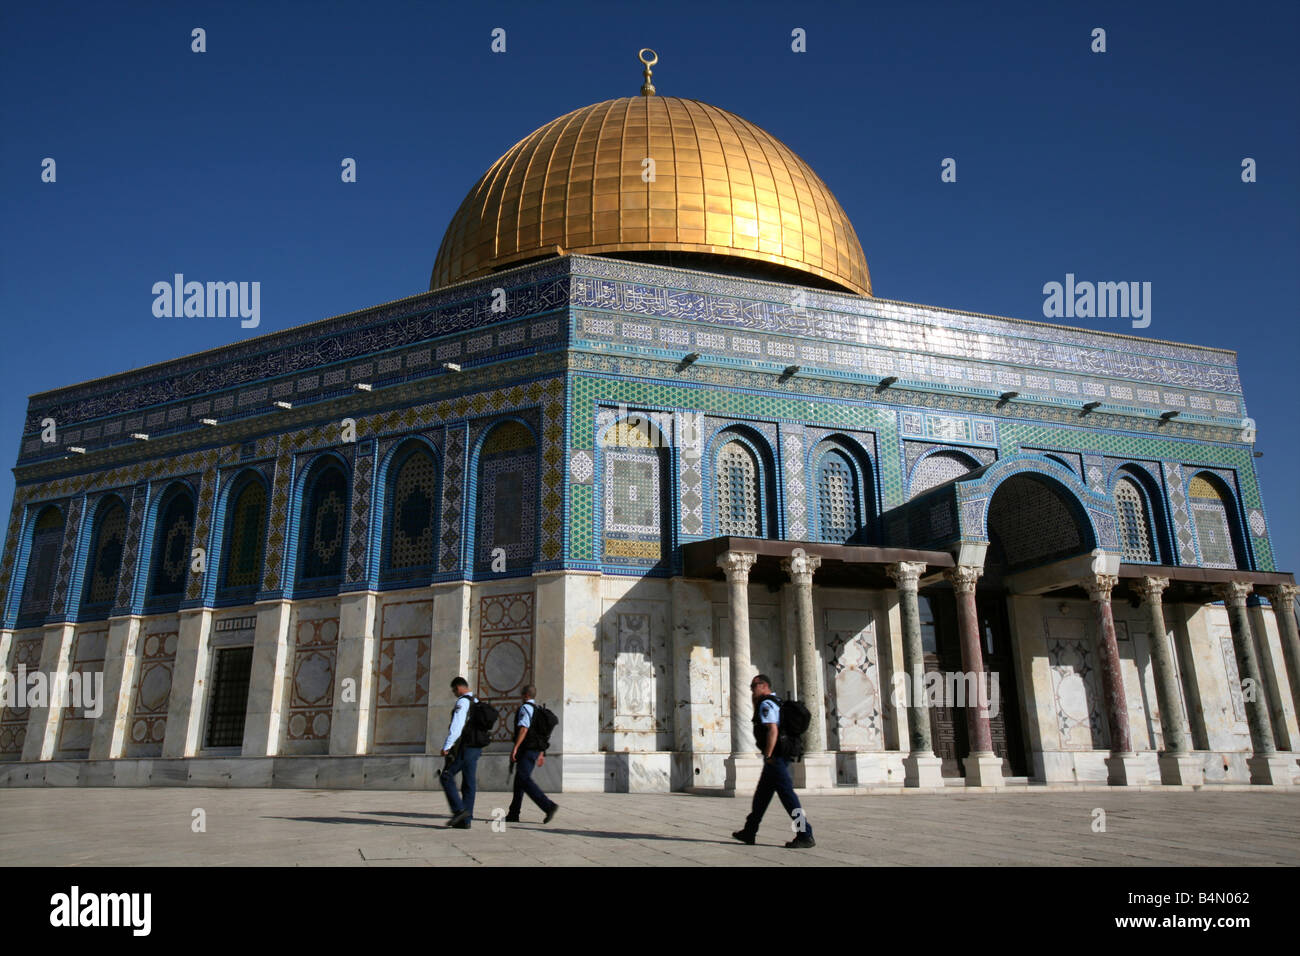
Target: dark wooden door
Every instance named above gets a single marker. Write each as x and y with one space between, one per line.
942 648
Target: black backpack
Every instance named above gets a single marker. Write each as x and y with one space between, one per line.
479 722
539 729
795 719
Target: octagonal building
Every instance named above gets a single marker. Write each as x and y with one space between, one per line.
647 434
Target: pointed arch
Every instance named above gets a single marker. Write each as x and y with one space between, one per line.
169 567
42 565
842 491
323 518
410 513
938 467
636 498
1216 521
505 513
104 558
243 537
742 474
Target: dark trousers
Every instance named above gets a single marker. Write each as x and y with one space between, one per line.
524 783
775 779
463 760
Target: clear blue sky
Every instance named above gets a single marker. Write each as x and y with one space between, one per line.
225 165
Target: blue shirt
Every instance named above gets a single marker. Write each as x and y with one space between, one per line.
458 714
525 718
769 712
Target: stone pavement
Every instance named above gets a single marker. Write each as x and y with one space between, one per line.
275 827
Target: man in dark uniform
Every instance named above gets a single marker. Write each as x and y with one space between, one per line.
527 753
462 758
776 768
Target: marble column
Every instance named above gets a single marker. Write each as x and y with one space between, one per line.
1178 765
817 769
983 766
121 664
745 764
921 767
1123 765
1282 598
1267 766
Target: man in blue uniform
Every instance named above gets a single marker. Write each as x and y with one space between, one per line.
775 778
526 755
462 757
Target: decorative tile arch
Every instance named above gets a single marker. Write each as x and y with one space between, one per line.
240 545
506 510
841 482
1154 508
171 538
740 480
45 541
322 509
106 546
634 526
974 494
1216 520
938 467
409 492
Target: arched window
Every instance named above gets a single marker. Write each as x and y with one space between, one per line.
837 498
245 538
171 553
323 534
1210 502
635 492
738 492
105 560
506 513
42 565
1134 523
939 469
413 506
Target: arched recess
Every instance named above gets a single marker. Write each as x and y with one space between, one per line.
411 514
243 539
505 514
742 479
42 566
1217 523
636 493
323 517
842 499
1140 509
937 468
1033 519
171 557
104 559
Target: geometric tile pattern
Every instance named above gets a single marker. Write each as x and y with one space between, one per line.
71 531
358 540
13 720
505 654
273 577
130 550
312 699
453 490
1182 520
152 692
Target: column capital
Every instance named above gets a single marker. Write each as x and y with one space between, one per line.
1233 593
800 566
1149 588
906 574
736 564
1100 585
963 577
1283 594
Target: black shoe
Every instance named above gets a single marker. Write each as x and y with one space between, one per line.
801 842
743 837
463 825
550 814
512 819
458 817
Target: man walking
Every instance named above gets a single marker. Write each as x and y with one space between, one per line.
461 748
777 749
528 753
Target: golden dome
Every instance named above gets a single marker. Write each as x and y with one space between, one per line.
721 187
